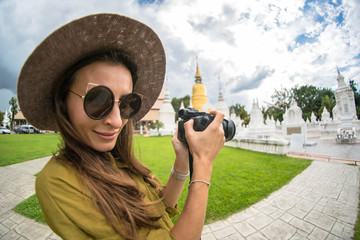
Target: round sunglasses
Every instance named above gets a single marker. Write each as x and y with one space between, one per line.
99 101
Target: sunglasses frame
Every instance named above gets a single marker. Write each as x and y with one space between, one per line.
118 101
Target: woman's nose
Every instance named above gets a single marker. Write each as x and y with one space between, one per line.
114 118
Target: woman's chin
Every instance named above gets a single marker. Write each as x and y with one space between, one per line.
104 147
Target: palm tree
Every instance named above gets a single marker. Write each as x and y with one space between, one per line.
329 103
13 111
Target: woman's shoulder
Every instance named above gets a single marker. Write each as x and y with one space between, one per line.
56 167
57 171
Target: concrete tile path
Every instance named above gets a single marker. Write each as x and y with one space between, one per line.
320 203
17 183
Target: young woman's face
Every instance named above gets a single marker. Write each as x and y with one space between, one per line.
101 134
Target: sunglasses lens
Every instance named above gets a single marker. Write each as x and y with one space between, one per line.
98 102
130 105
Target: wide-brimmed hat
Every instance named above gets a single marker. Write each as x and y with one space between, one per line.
76 40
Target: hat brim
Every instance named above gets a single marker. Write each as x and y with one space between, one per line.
76 40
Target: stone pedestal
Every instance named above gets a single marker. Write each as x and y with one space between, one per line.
294 123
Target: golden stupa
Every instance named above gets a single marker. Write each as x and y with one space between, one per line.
198 98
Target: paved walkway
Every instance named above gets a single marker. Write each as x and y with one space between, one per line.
17 184
320 203
332 150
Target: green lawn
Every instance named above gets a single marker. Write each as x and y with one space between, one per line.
30 208
357 225
240 178
15 148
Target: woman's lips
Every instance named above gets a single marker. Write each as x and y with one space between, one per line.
106 135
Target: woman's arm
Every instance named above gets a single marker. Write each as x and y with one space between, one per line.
204 147
174 187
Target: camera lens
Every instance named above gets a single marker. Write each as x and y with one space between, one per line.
229 129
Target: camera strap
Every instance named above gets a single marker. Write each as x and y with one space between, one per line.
190 163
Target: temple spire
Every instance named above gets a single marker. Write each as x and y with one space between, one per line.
340 79
198 99
197 76
221 97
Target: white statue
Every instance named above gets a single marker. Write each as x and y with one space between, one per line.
313 117
325 116
256 116
293 114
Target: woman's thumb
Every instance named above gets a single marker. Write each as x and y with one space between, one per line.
189 126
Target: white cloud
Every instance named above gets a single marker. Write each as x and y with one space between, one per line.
237 40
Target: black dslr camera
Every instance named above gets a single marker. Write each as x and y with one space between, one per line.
201 121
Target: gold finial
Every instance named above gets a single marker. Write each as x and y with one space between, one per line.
197 76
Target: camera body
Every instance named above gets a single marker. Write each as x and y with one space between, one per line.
201 121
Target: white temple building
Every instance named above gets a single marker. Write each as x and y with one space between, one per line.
256 116
221 105
273 137
6 120
166 117
182 105
345 109
207 107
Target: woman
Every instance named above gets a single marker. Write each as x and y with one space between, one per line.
92 88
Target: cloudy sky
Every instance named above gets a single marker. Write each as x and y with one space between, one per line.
249 48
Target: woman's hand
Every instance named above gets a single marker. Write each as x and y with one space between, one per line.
181 164
205 146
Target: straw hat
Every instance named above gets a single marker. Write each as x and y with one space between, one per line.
76 40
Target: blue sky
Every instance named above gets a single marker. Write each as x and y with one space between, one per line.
254 47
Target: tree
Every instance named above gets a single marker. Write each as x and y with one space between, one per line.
283 98
307 99
280 102
176 102
353 84
310 99
1 118
329 103
157 125
13 111
275 112
241 112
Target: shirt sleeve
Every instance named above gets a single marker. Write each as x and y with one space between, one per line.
172 211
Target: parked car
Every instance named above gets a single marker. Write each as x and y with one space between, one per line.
17 130
4 130
37 130
25 129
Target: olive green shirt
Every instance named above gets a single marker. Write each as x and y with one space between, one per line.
69 211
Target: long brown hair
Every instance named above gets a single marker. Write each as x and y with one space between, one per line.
119 202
